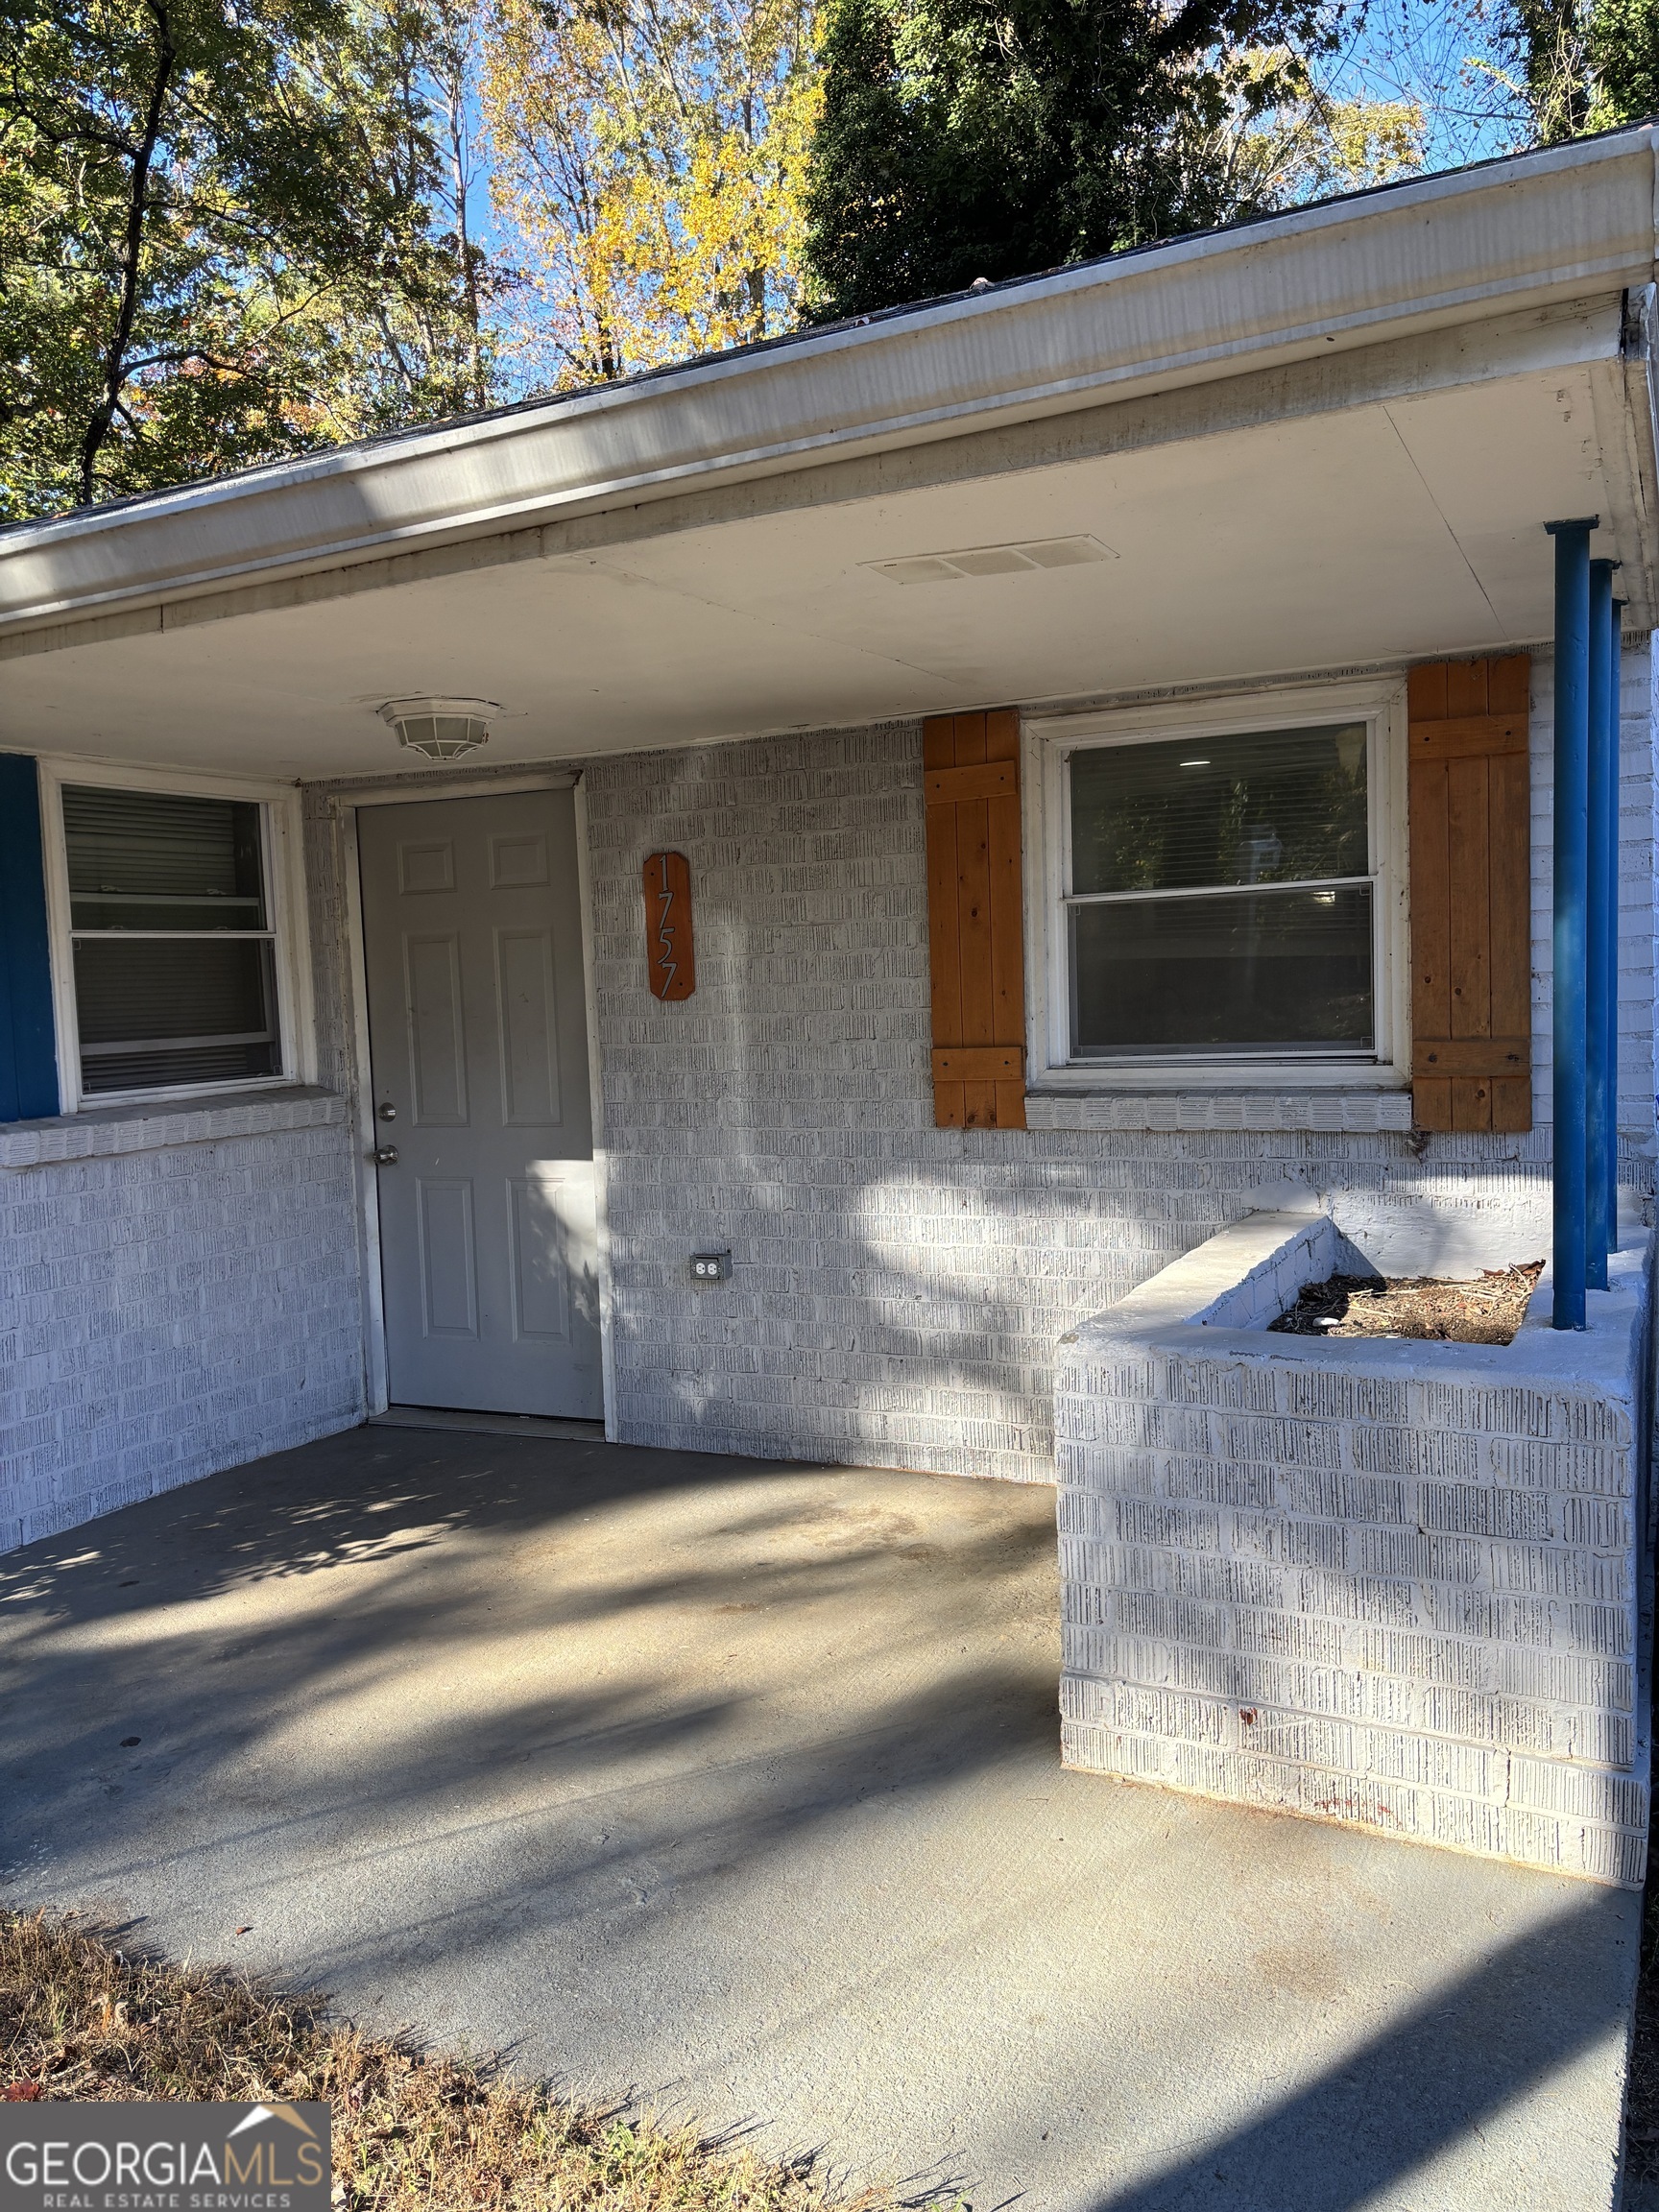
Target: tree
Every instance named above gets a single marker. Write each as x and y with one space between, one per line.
967 139
651 154
1497 76
1548 38
213 221
404 85
1623 51
1289 134
1578 65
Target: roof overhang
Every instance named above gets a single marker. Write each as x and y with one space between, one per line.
1326 438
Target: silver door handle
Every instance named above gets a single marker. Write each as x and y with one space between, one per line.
386 1156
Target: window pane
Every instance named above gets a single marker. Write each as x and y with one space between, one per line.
1272 806
155 1012
1255 972
144 860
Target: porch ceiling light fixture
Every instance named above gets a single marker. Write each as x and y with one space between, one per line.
440 729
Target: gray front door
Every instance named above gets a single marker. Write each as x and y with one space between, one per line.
477 1033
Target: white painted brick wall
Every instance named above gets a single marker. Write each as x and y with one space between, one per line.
169 1308
180 1286
897 1290
1386 1584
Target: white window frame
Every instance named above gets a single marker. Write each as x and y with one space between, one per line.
1048 744
283 861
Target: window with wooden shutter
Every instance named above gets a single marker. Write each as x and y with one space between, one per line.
1471 895
976 919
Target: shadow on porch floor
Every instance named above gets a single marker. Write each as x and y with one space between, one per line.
738 1784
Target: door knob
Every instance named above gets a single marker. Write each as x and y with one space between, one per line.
386 1156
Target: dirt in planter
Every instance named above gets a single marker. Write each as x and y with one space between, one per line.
1488 1311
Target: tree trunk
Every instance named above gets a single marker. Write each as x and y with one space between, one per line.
129 254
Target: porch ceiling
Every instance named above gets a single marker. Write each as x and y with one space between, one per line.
1329 441
1406 523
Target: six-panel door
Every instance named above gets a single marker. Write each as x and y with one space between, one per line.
479 1048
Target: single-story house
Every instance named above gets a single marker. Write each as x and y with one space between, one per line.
750 903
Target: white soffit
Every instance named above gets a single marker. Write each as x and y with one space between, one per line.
1537 231
1396 528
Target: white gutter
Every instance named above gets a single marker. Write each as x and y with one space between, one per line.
1569 222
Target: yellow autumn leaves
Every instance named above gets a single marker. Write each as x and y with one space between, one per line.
651 154
649 160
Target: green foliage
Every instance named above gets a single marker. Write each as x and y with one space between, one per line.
217 240
963 138
1582 64
1623 55
1549 37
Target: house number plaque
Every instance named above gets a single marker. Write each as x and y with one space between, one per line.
668 945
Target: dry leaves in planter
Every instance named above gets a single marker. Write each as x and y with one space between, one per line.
1486 1311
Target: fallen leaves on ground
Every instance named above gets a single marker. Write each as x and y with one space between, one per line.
83 2018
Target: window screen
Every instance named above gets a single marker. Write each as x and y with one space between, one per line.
1221 897
175 967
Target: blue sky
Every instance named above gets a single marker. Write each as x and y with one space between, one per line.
1447 59
1440 55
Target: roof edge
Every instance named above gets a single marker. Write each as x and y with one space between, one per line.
1430 251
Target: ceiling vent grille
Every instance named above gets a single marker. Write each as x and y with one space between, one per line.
1032 553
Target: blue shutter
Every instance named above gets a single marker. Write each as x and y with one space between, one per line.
28 1055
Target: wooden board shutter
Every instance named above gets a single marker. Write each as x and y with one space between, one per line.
976 919
1471 895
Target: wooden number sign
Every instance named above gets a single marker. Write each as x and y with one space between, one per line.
668 947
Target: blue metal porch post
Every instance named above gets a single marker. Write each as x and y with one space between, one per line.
1572 870
1598 1228
1614 659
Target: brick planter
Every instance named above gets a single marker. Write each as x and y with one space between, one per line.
1388 1583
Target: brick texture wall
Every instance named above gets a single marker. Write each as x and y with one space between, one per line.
897 1290
170 1306
1384 1583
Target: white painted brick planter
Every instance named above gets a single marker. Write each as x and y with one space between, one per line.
1390 1584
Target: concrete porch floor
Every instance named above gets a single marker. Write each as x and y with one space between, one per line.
737 1784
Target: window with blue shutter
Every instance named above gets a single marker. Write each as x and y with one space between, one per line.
28 1050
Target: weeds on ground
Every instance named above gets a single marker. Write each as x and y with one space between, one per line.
1641 2085
81 2019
